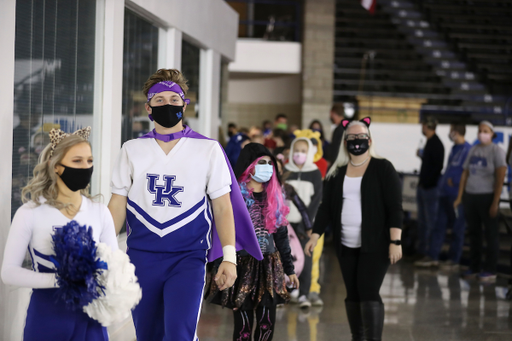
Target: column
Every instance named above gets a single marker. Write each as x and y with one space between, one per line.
112 94
209 93
169 48
318 60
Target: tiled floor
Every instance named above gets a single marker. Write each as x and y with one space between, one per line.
420 305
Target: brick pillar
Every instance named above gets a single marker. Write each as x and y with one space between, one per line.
318 61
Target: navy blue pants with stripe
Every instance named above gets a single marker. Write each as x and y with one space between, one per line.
48 319
172 292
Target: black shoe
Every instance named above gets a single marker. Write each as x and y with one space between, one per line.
372 313
355 320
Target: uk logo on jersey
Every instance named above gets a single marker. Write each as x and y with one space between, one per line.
164 192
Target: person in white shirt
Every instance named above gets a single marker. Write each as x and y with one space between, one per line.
172 186
57 194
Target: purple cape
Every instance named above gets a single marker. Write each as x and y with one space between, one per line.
245 235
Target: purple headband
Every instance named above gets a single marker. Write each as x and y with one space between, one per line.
166 86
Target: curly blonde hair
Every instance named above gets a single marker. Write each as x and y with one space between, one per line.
44 180
161 75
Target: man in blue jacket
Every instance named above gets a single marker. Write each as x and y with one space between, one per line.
446 215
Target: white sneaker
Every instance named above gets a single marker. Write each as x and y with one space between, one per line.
315 299
294 296
304 302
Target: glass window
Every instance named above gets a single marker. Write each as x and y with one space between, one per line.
190 69
53 79
140 58
268 19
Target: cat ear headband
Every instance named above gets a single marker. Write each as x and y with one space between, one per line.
367 121
57 135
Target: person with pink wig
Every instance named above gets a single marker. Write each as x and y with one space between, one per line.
260 285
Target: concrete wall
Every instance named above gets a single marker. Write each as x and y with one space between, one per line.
254 98
255 55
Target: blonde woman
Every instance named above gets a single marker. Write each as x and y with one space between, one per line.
362 201
57 194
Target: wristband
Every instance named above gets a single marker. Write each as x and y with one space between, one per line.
229 252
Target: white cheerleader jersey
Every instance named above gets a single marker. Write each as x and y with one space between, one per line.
33 227
169 195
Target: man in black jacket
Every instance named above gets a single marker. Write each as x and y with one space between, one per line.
432 158
337 115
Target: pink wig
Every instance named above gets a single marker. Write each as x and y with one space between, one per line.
275 211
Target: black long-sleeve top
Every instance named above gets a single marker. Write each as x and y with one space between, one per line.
431 163
381 205
269 242
334 147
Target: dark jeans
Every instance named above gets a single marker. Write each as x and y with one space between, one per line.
305 275
363 273
427 200
476 211
446 218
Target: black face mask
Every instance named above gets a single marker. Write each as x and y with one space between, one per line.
76 178
357 146
167 115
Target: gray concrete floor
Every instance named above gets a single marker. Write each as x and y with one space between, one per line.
420 305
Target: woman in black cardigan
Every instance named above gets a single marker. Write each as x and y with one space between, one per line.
362 200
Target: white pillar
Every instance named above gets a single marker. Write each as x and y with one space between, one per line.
7 33
112 93
169 48
209 93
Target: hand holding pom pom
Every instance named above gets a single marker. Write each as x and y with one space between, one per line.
77 265
92 277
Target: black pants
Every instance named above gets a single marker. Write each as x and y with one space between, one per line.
305 275
363 273
476 211
263 329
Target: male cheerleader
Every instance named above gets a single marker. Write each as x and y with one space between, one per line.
172 186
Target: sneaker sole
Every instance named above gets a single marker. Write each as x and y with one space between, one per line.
305 305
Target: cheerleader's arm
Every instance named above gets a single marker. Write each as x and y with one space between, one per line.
18 240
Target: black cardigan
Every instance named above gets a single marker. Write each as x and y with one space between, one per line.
381 205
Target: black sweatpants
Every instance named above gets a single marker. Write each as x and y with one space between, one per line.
263 329
476 211
363 273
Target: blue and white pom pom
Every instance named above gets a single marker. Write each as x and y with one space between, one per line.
93 278
78 267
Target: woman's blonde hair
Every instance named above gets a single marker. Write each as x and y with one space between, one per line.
44 182
343 155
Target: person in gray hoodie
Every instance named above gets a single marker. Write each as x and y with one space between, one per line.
305 177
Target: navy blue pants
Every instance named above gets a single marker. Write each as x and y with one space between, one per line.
172 292
48 319
446 218
427 212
